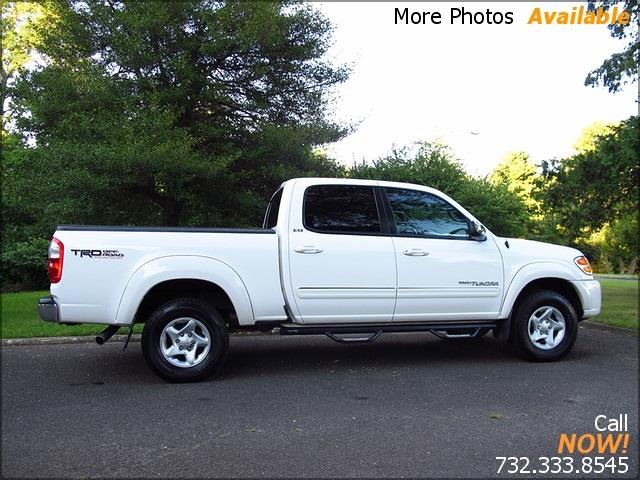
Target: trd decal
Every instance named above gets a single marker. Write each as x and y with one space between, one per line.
92 253
478 284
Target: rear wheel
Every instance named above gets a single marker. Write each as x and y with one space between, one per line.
545 326
185 340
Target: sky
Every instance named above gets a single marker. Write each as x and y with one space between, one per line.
485 90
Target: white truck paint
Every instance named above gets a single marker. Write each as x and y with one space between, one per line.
295 273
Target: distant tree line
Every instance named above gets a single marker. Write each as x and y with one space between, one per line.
192 113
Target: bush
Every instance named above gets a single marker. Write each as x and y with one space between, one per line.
24 265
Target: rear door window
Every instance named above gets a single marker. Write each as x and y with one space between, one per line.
341 209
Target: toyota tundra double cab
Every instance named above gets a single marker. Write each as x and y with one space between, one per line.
350 259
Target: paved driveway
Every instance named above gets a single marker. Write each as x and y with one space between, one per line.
407 405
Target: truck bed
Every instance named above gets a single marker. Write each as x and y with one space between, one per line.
101 261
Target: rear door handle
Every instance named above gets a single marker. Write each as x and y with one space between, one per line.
308 249
415 252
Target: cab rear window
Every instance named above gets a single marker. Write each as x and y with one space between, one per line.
271 218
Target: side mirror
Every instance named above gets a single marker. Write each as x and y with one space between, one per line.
477 231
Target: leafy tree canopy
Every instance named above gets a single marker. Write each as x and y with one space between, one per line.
165 104
620 68
21 28
519 174
598 185
590 136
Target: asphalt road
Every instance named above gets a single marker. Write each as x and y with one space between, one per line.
409 405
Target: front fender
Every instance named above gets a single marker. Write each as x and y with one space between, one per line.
529 273
177 267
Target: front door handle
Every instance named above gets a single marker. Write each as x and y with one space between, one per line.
415 252
308 249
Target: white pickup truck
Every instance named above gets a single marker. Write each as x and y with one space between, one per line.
347 258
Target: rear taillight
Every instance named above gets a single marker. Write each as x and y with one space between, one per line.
56 258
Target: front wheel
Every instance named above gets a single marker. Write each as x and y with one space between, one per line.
545 326
185 340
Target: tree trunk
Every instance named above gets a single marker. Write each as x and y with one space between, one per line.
607 267
171 212
633 265
4 79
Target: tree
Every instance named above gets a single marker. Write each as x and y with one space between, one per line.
165 113
518 173
206 80
21 28
598 188
620 68
590 136
620 241
434 165
520 176
598 185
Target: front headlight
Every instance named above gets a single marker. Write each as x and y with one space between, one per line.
583 264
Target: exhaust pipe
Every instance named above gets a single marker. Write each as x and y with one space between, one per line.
106 334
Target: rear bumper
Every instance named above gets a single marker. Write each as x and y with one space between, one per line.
590 297
48 309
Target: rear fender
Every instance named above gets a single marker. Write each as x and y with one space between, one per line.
179 267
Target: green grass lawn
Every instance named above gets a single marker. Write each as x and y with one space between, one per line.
619 303
20 317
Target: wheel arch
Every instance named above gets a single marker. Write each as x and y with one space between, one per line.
559 285
162 279
204 290
547 276
526 282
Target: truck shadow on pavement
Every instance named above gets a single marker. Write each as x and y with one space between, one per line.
320 355
273 356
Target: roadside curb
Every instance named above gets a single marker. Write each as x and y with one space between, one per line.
610 276
7 342
604 326
64 340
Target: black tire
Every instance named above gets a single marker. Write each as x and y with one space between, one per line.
521 341
209 317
